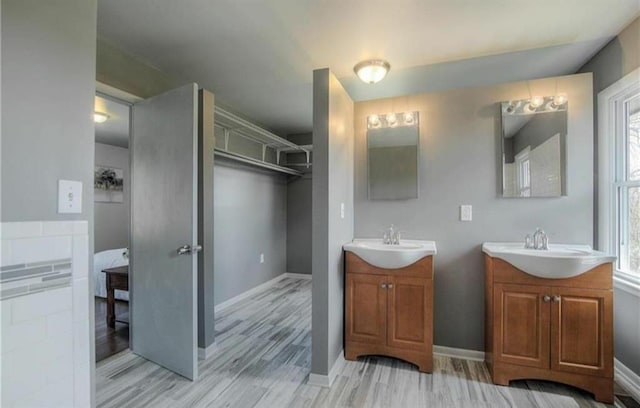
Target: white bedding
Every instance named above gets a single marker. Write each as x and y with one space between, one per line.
108 259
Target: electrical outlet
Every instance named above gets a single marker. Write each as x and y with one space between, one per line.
466 213
261 258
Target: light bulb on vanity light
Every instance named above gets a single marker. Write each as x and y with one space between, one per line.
560 99
536 101
392 120
408 118
374 121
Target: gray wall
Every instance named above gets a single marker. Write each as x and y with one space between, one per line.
111 220
250 217
48 79
460 164
48 87
299 215
299 225
614 61
333 182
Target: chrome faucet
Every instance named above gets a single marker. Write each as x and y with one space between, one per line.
391 236
539 241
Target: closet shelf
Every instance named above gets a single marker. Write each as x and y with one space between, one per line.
262 142
256 162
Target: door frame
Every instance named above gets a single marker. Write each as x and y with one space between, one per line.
116 95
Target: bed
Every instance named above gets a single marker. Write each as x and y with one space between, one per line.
108 259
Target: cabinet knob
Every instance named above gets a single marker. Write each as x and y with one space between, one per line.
383 285
556 298
390 286
546 298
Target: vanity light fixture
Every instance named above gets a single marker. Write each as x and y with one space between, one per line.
537 104
100 117
391 120
372 71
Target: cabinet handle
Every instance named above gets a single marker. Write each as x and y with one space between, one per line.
390 286
556 298
383 286
546 298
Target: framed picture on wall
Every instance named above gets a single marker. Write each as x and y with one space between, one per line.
108 184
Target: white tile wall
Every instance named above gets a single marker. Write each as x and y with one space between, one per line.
44 344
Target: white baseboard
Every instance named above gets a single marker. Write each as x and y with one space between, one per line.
244 295
298 275
205 353
326 380
627 379
464 354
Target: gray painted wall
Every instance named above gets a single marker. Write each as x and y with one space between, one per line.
333 183
299 215
460 164
48 53
614 61
299 236
48 56
250 217
111 220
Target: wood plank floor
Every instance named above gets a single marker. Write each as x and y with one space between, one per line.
110 341
264 358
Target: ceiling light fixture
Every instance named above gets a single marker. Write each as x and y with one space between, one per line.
372 71
100 117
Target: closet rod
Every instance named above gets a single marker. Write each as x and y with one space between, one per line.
255 162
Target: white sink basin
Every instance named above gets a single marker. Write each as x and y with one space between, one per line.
374 252
559 261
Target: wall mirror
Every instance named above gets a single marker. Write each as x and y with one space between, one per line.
534 134
392 152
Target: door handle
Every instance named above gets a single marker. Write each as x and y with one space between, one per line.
188 249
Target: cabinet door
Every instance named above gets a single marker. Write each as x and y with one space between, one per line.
521 325
582 331
409 313
366 307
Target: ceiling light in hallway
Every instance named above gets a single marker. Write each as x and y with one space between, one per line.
372 71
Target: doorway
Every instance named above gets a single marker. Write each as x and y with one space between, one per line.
112 215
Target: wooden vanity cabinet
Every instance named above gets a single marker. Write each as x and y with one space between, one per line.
389 311
550 329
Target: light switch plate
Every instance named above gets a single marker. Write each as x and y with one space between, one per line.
69 197
466 213
342 210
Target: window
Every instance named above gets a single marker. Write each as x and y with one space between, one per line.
627 184
619 175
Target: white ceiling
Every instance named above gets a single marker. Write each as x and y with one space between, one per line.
258 56
115 131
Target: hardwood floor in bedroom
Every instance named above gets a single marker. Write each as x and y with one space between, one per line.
264 358
110 341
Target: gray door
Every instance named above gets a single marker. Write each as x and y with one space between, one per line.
163 264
